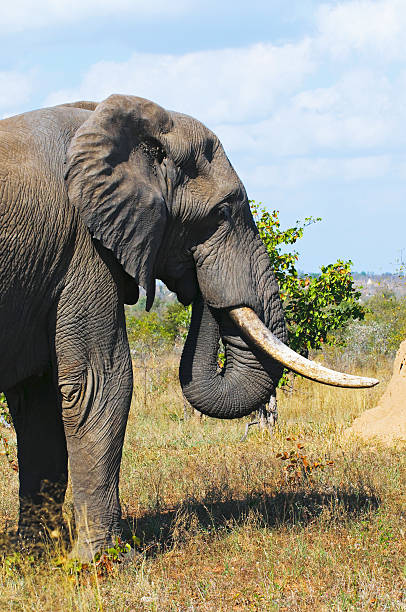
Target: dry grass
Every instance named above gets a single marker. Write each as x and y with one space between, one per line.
226 525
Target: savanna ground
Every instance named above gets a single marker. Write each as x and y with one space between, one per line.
230 525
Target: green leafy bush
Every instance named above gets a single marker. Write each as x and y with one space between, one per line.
315 306
4 413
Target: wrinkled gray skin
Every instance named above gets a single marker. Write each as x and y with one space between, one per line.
96 200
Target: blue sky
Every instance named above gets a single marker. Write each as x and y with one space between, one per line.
307 96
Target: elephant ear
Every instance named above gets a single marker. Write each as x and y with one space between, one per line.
116 178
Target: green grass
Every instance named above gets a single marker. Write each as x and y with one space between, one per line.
230 525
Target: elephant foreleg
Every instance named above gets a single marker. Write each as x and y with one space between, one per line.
96 388
42 455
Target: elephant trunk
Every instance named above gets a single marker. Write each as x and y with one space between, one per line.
245 382
250 373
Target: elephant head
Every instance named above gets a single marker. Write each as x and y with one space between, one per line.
157 189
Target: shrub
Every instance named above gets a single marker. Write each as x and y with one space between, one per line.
315 306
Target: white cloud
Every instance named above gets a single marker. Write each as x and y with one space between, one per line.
362 112
256 97
15 90
270 103
229 85
357 91
374 27
299 171
24 14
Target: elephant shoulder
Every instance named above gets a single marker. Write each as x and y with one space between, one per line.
32 157
46 127
35 143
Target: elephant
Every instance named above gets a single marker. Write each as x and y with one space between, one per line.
96 200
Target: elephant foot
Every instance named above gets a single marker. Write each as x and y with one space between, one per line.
115 553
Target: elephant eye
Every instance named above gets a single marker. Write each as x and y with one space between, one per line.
153 150
223 212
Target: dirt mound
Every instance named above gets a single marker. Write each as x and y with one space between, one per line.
387 421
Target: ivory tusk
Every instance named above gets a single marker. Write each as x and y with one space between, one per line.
255 330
